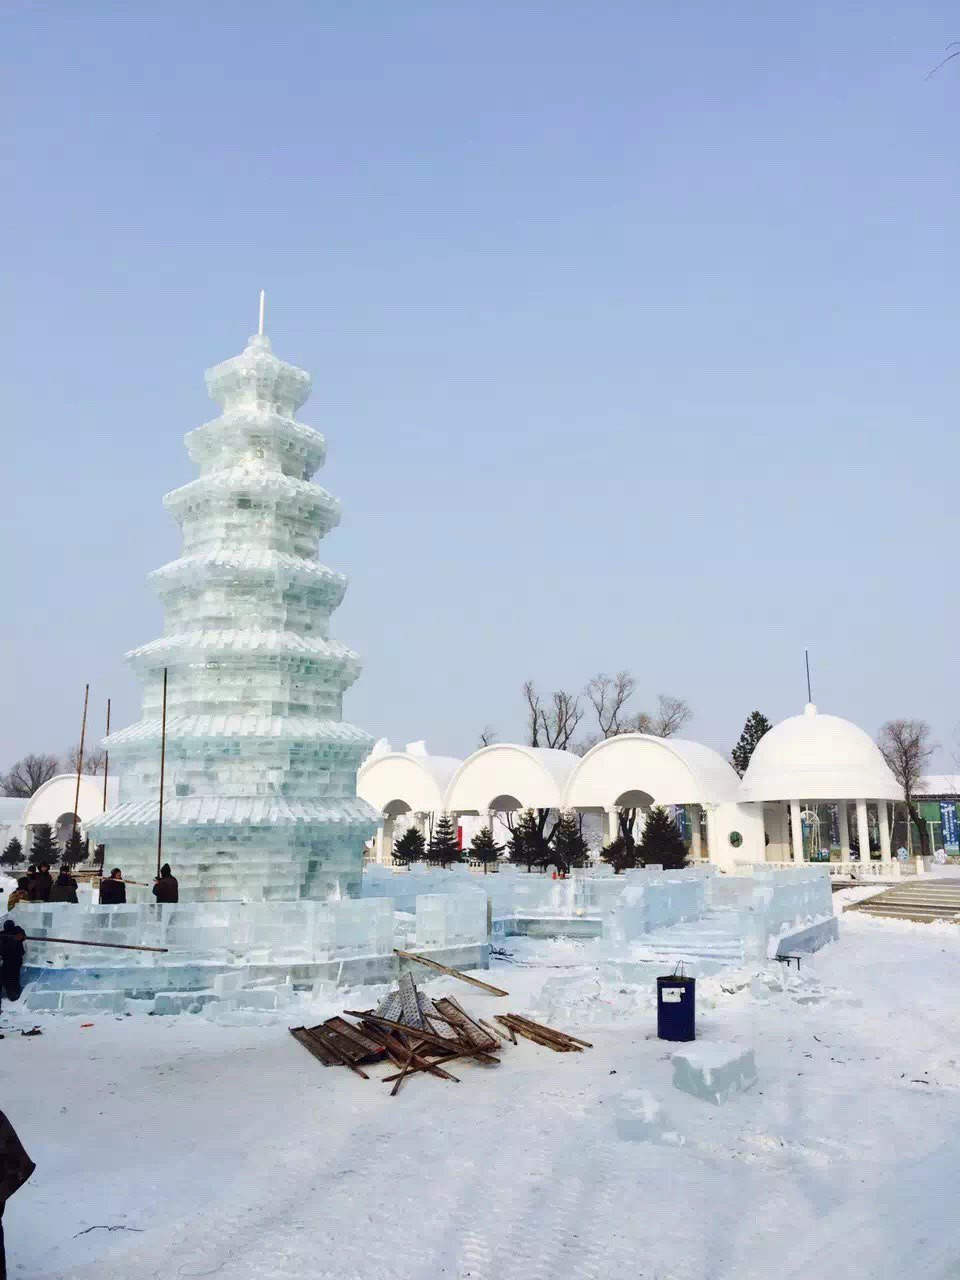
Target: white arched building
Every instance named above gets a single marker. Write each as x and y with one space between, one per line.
803 763
632 771
53 804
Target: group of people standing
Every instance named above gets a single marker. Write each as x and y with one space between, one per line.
38 885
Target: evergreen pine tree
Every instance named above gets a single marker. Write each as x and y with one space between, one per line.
73 850
569 847
484 848
44 848
444 848
662 841
621 854
755 727
12 855
411 847
527 846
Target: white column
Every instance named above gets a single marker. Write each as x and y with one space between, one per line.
715 849
844 816
696 843
796 831
883 820
863 832
613 825
379 843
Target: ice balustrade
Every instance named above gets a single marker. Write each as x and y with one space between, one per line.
515 894
777 900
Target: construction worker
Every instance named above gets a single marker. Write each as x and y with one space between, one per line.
165 887
12 938
112 889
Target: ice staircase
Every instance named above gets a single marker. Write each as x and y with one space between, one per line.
922 903
714 940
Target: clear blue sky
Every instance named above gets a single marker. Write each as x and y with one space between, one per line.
633 329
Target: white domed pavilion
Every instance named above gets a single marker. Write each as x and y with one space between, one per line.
815 759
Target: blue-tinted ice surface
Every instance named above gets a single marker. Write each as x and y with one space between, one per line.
260 783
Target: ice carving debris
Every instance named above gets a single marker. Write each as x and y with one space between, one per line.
639 1117
714 1071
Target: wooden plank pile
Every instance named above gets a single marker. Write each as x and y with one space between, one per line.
419 1035
559 1041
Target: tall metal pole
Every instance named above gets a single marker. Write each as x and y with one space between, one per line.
83 734
163 758
806 658
106 761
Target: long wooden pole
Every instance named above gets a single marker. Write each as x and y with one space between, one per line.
106 761
83 734
454 973
89 942
163 759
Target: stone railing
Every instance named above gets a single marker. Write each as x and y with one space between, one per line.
848 869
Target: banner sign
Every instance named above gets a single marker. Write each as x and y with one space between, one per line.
834 825
948 822
680 818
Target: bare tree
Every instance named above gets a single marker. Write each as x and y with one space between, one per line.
608 696
907 748
672 714
553 724
488 735
93 759
559 722
28 774
534 710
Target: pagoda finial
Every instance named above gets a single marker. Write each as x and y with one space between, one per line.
262 299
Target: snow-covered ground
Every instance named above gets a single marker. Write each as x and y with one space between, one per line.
229 1151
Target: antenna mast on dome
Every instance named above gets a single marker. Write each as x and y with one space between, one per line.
806 658
262 298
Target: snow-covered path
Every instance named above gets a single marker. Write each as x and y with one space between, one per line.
229 1151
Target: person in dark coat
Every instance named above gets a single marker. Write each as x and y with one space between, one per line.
64 887
112 890
42 884
165 887
12 938
15 1168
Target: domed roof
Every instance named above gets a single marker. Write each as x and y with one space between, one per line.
817 757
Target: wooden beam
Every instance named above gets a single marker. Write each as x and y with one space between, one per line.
453 973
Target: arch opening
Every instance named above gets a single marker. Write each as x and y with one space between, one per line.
634 799
63 828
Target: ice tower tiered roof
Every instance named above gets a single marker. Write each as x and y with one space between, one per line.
260 781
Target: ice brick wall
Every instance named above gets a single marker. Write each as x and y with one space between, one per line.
451 919
655 900
204 933
260 782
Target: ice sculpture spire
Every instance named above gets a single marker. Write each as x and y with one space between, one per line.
260 789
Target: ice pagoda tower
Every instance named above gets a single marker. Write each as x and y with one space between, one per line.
260 780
